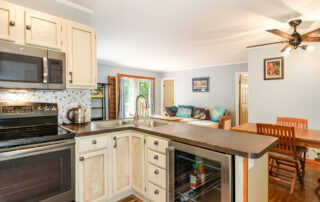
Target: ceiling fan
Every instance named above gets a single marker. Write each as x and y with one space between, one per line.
295 39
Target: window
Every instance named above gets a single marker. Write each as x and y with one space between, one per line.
129 88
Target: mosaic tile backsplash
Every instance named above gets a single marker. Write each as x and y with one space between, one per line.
65 99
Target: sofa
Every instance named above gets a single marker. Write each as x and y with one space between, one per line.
224 121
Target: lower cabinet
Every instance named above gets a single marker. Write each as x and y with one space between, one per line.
92 176
114 165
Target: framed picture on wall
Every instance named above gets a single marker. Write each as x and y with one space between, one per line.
273 68
200 84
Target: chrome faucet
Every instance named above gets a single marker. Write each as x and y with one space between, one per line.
136 115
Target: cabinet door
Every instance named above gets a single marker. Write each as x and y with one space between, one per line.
121 162
7 22
82 61
92 176
138 162
42 30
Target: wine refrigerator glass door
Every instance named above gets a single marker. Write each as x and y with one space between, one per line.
198 175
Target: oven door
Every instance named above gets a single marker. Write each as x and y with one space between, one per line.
44 173
196 174
23 67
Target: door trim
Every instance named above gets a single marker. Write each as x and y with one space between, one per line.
162 92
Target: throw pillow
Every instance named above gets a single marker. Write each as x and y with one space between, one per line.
205 115
171 110
184 111
196 111
217 113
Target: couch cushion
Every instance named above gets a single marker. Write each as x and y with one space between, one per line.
184 111
217 113
188 120
205 123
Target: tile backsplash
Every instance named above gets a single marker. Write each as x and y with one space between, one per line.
65 99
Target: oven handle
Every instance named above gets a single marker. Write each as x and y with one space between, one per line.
170 192
45 70
45 148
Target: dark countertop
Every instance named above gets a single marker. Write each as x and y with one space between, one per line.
229 142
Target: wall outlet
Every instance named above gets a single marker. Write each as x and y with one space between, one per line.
250 163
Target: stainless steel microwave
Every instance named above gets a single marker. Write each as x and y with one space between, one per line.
26 67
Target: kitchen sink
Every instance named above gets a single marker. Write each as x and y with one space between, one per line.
150 123
115 123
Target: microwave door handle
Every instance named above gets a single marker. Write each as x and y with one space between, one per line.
45 70
170 174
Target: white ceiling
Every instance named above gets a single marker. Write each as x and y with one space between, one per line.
171 35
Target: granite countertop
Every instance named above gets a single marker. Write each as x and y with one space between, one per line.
229 142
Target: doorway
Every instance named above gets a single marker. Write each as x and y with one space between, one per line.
242 98
168 93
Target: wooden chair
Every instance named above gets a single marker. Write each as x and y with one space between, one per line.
284 152
298 124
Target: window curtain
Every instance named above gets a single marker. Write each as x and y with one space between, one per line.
151 100
122 110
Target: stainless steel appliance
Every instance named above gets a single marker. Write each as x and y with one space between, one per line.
31 68
197 174
77 115
36 155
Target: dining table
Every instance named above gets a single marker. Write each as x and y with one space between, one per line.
304 137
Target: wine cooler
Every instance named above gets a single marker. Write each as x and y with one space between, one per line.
198 175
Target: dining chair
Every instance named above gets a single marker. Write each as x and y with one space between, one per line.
298 124
284 152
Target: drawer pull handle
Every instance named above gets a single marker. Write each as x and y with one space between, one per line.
156 172
115 142
28 27
156 157
81 158
94 141
156 142
156 191
12 23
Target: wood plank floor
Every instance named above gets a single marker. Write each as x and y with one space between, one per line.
302 193
130 199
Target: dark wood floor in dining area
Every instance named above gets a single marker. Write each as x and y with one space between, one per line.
303 193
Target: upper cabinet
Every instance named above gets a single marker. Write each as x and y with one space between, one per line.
42 30
82 59
7 22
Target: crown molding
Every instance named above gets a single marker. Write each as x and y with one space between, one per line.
75 6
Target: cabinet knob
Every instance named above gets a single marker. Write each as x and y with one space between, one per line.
156 191
94 141
81 158
12 23
28 27
156 142
156 172
156 157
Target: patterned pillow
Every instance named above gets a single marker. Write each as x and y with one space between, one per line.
217 113
196 111
205 115
171 110
184 111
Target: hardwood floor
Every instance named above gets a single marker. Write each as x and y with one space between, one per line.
130 199
302 193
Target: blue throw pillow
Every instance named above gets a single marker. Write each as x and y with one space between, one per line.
173 108
217 113
184 111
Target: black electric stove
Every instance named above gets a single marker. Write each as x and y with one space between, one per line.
30 123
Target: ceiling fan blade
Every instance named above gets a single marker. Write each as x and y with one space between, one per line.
265 44
285 48
280 33
312 33
311 39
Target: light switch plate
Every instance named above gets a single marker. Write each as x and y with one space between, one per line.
250 163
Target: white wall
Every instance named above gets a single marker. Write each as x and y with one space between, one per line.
55 8
112 70
222 90
295 96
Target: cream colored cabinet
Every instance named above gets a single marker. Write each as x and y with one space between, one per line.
7 21
138 162
42 30
82 59
121 157
92 176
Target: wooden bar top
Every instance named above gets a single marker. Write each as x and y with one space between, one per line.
306 138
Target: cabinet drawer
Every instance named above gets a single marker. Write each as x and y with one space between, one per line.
156 194
157 176
157 159
93 143
157 144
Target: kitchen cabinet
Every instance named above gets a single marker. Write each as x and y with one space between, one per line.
42 30
138 162
7 22
121 156
82 62
93 176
